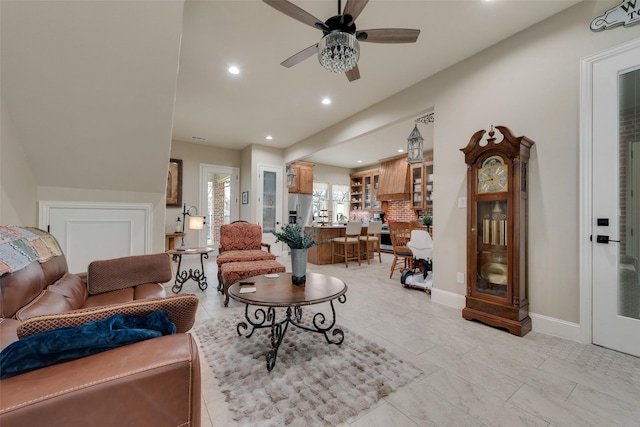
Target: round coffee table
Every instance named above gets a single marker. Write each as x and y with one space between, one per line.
273 292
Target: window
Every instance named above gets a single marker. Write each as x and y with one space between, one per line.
340 201
320 197
334 198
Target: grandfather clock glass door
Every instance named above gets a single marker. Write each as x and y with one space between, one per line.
491 249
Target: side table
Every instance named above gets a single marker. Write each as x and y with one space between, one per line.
183 275
171 242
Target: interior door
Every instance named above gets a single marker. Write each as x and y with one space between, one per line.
616 186
270 190
219 197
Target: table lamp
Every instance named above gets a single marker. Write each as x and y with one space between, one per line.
195 222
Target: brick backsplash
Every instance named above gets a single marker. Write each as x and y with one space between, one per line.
396 210
400 210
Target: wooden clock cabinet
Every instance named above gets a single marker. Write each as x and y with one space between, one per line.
497 189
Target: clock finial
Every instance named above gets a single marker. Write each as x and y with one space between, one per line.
491 139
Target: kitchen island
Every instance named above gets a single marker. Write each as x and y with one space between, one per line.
321 254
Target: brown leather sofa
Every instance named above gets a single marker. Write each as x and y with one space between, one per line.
150 383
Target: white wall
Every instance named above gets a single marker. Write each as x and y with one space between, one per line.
528 83
192 155
331 174
17 180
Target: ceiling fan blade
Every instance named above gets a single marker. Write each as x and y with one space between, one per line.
354 7
294 12
388 35
353 74
300 56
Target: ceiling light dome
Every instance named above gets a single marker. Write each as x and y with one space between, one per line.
338 51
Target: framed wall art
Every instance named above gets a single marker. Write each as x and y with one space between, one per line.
174 183
245 197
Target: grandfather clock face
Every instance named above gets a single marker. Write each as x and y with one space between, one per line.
493 176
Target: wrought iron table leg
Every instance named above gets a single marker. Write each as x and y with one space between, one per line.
197 275
201 277
262 319
181 277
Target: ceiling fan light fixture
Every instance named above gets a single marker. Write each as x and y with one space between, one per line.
338 51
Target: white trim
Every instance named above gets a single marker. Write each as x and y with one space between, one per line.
450 299
45 206
539 323
556 327
234 172
585 260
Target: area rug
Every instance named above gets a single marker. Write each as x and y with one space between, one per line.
312 383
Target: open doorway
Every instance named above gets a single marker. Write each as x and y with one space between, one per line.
219 197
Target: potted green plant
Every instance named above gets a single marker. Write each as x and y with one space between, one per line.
427 220
299 241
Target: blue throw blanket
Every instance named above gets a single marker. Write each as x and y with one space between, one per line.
64 344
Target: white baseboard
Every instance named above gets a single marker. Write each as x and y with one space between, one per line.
556 327
447 298
539 323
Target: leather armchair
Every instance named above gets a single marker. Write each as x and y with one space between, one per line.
154 382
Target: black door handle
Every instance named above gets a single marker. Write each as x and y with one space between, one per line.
605 239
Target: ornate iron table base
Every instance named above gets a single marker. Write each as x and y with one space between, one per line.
197 275
261 319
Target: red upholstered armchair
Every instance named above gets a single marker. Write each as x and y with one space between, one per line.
241 241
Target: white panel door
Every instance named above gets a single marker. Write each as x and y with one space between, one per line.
615 269
89 232
269 203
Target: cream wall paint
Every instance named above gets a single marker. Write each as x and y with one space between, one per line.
17 180
530 84
246 212
331 174
192 155
89 100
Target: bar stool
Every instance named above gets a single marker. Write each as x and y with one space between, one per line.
351 238
372 240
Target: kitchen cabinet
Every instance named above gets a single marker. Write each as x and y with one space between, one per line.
304 178
417 186
395 181
321 254
422 186
364 190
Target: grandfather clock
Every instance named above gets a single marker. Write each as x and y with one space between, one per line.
497 230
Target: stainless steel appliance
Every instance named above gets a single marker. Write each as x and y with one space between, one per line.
301 209
385 239
293 217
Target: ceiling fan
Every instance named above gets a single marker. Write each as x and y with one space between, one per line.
339 50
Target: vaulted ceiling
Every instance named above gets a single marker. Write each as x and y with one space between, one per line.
96 89
268 99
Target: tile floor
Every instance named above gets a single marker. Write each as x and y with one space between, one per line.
474 375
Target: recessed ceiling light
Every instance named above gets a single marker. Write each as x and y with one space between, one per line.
269 137
326 101
359 161
234 70
401 151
